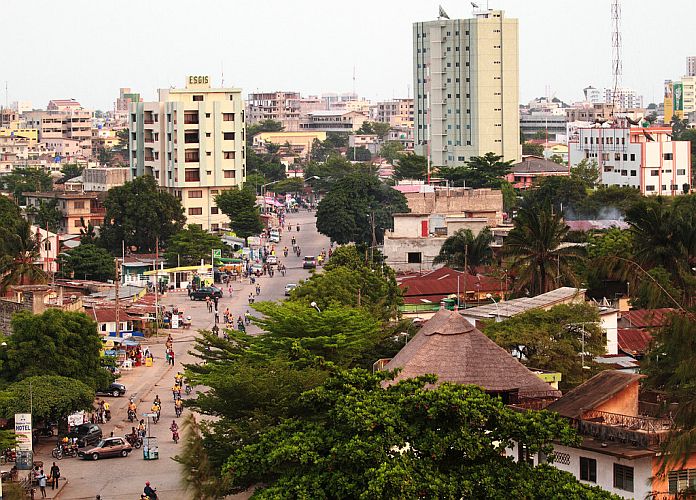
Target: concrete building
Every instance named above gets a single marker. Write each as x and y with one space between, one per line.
644 158
278 106
466 81
78 209
192 141
397 112
332 121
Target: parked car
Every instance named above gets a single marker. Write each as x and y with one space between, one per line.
114 390
109 447
310 262
86 434
272 260
206 291
289 288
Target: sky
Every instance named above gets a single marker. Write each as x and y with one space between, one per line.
87 49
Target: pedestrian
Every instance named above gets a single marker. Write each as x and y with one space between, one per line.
55 476
42 483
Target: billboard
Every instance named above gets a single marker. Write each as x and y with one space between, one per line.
23 431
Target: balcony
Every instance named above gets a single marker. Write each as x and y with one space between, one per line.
636 430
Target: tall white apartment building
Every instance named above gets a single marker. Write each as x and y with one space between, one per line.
192 142
466 88
644 158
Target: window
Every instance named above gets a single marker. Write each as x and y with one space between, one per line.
228 136
228 117
192 175
195 211
77 205
195 194
413 257
623 477
588 469
229 174
667 156
197 97
214 210
228 155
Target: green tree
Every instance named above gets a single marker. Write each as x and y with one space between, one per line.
587 172
553 340
191 245
410 166
359 154
19 257
88 262
138 213
47 215
463 247
53 397
70 171
56 342
240 207
354 439
26 180
357 204
534 149
391 150
539 262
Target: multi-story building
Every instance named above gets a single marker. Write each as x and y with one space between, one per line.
278 106
397 112
466 81
192 141
644 158
691 66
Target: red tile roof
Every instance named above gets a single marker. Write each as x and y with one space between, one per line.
633 341
646 318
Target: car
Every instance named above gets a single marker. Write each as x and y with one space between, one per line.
206 291
86 434
114 390
109 447
309 262
272 260
289 288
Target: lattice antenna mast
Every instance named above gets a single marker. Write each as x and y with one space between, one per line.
616 68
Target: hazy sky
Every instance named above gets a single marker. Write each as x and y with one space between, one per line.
87 49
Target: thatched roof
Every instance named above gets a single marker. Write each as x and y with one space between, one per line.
588 396
451 348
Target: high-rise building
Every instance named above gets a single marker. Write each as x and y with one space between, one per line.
192 142
466 81
691 66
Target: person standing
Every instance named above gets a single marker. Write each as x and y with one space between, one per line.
55 476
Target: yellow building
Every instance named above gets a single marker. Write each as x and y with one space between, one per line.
300 142
192 142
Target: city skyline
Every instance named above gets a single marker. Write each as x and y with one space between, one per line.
155 45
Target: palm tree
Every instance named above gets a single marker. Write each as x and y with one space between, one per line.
539 261
462 250
21 251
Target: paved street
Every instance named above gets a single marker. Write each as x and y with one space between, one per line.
124 478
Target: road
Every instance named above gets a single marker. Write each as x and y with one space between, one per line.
124 478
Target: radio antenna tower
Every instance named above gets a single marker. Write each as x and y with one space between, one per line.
616 69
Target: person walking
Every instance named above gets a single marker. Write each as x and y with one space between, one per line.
55 476
41 479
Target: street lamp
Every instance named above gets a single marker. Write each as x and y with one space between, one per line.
497 310
315 306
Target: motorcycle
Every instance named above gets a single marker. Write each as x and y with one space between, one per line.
135 441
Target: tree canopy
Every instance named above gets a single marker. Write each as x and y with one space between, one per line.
553 340
240 206
138 213
354 439
191 245
87 261
55 342
347 212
